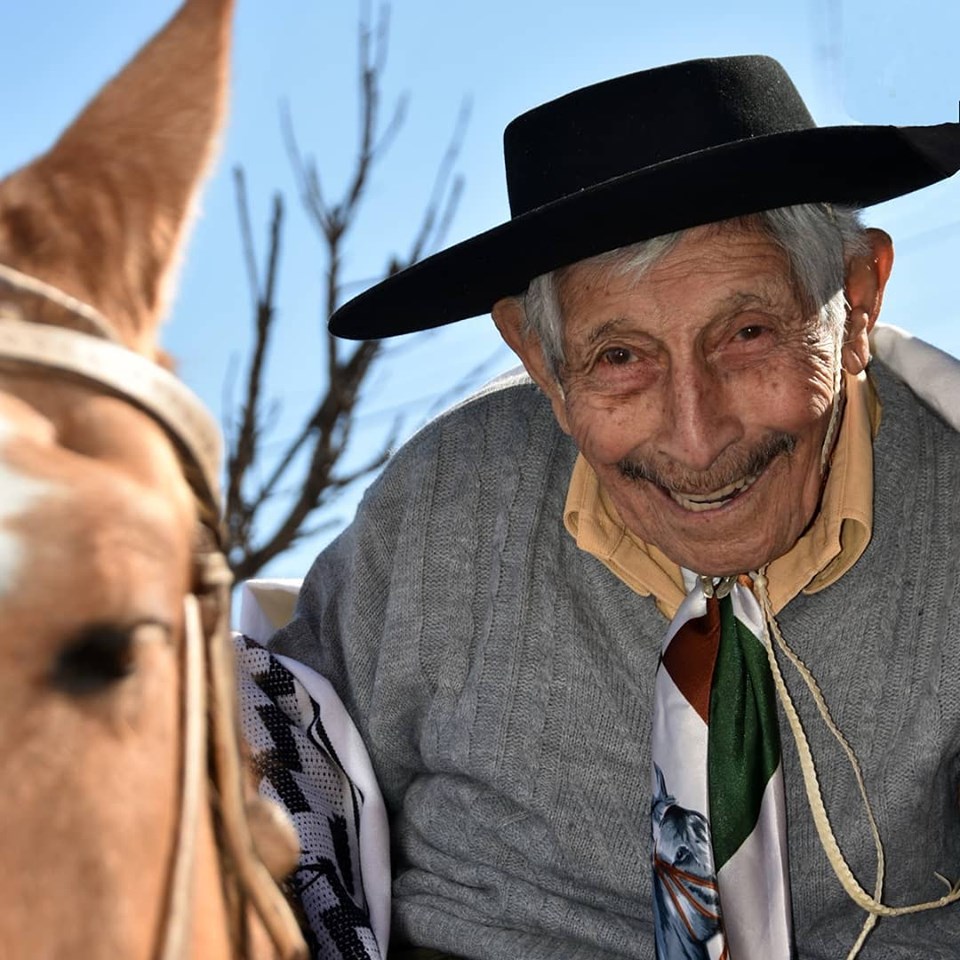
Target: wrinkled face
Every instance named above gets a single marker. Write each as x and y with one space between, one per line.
700 394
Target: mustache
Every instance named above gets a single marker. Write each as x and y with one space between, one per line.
738 465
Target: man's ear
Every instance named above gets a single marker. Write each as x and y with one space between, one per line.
508 315
866 279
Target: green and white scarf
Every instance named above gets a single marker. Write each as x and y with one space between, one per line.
721 879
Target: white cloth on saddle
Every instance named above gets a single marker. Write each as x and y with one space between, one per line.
934 376
266 605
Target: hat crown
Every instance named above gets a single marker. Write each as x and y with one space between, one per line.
619 126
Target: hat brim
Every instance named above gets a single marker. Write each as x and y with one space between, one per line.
852 165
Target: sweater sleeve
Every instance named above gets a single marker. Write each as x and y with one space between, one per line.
344 608
405 591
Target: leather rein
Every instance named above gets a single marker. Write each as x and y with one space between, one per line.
42 328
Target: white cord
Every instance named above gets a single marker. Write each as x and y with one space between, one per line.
873 905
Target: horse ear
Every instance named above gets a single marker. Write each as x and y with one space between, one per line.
661 798
104 214
661 792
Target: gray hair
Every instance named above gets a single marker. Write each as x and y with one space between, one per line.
816 238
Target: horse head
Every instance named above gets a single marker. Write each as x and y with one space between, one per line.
685 889
113 843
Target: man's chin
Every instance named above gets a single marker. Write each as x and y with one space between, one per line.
722 562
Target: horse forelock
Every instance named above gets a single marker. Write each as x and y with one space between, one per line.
20 494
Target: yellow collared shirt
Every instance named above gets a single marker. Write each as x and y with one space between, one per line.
832 545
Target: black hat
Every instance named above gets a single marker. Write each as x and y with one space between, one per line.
643 155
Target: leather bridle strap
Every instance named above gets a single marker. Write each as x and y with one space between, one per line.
208 668
111 367
174 936
44 303
254 878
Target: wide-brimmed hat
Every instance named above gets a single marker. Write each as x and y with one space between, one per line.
648 154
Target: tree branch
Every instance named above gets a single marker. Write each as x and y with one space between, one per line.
314 453
243 448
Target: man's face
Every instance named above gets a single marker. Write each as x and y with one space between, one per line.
700 395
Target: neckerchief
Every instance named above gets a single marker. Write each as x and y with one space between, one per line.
721 880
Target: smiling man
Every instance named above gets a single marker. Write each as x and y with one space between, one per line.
655 654
699 387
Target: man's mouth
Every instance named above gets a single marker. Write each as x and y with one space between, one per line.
699 502
750 467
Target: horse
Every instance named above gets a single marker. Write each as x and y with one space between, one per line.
115 689
686 903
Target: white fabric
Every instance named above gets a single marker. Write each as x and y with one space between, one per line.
934 376
266 605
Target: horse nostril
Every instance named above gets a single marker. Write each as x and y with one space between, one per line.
96 658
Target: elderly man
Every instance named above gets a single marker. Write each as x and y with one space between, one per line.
656 655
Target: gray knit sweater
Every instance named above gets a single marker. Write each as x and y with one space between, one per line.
502 680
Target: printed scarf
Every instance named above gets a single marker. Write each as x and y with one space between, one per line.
720 872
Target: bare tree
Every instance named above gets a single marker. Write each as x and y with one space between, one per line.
309 464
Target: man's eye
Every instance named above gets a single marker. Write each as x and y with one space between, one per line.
749 333
617 356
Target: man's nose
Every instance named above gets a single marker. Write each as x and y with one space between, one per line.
697 423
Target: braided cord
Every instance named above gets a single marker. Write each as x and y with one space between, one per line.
873 905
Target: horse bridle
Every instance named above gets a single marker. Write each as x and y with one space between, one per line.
73 341
680 884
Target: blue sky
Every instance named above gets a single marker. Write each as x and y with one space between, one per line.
854 61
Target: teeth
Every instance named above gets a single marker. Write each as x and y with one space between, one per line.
698 502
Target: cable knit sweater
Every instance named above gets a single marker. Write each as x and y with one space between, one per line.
502 680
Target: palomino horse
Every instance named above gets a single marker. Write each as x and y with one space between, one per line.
112 840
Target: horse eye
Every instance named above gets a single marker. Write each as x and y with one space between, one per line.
682 855
96 658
